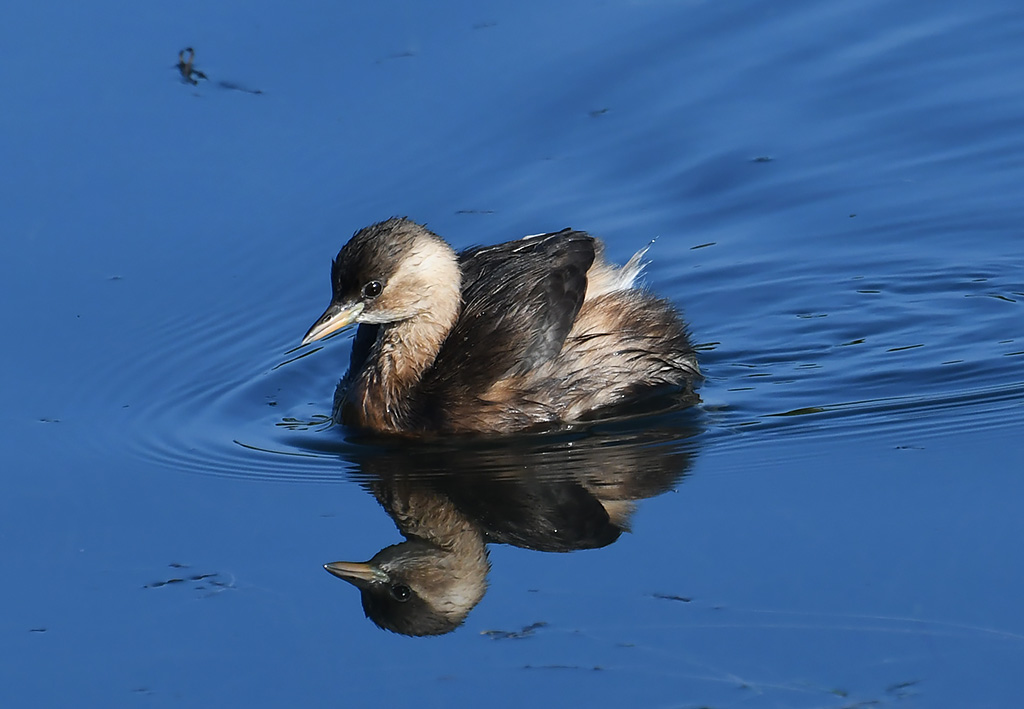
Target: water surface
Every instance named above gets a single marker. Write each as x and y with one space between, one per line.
833 191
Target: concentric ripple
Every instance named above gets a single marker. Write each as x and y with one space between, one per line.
920 350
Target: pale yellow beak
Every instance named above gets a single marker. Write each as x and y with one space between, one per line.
337 316
361 575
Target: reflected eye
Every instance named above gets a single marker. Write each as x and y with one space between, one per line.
401 592
372 289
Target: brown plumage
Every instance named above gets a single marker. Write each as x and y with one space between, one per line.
524 335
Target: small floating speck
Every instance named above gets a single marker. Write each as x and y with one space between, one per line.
397 55
598 112
46 419
37 630
295 424
763 158
474 211
899 689
671 597
526 632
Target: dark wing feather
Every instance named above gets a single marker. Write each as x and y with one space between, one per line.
520 300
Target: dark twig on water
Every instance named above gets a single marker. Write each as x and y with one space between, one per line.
189 74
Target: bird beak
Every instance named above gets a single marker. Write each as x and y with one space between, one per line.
361 575
337 316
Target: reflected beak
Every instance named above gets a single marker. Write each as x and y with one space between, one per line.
337 316
361 575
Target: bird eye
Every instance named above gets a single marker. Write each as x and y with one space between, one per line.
401 592
372 289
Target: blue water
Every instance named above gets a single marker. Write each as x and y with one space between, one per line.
834 194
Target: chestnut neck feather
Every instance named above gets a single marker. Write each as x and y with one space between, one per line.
403 352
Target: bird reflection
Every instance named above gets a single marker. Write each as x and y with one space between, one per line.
552 494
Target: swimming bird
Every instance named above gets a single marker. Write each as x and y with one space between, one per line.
525 335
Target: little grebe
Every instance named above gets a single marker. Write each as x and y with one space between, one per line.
528 334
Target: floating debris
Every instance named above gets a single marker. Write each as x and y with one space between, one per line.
214 580
513 634
294 424
189 74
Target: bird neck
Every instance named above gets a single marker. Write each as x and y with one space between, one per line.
408 348
403 352
421 513
429 515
